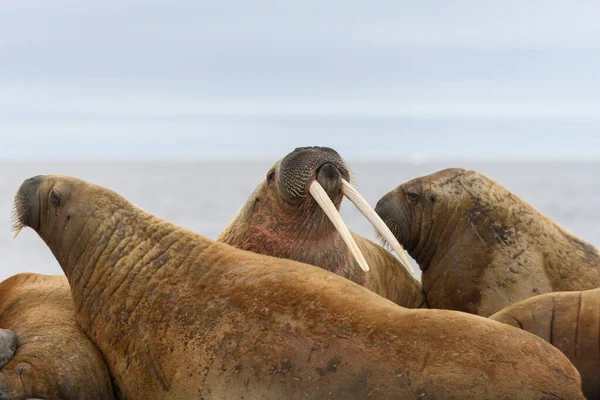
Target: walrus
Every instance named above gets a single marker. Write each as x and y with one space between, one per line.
568 320
284 217
177 315
480 247
54 359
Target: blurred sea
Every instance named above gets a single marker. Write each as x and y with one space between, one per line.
204 196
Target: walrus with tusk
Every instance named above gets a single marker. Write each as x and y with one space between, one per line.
568 320
54 359
177 315
480 247
293 214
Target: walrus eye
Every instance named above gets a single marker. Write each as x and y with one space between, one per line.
55 198
270 176
413 197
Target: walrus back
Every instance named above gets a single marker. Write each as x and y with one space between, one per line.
214 320
568 320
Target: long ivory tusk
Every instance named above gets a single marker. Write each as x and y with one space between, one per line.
363 206
16 232
320 196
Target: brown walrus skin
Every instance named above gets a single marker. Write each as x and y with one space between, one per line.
281 219
54 358
568 320
480 247
179 316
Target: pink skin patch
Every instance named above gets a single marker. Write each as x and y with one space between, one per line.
299 232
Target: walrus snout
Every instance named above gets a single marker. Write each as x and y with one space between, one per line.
389 208
26 209
331 179
299 168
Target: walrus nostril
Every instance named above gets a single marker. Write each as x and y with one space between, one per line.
330 179
329 171
383 206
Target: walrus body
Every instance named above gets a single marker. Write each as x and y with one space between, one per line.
54 359
568 320
177 315
480 247
287 223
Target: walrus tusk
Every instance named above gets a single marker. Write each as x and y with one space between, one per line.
321 197
16 232
363 206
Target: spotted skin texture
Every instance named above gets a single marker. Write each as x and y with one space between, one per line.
568 320
480 247
177 315
288 223
54 358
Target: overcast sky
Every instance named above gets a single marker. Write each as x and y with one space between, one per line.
254 79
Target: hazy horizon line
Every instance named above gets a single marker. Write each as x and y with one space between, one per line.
417 159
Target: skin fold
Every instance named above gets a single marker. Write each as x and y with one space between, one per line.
177 315
480 247
568 320
281 219
54 359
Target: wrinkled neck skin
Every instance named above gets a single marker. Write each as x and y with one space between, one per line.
492 249
269 226
112 260
450 253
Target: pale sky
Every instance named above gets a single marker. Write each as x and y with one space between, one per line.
254 79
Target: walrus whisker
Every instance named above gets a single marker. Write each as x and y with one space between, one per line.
16 232
382 242
363 206
18 213
321 197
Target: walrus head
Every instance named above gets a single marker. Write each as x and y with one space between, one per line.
481 247
61 208
448 222
294 174
297 207
417 211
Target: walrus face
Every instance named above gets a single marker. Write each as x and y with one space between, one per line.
400 207
297 205
59 208
421 211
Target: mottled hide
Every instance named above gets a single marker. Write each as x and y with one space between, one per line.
480 247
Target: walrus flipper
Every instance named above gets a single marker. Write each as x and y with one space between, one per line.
8 346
